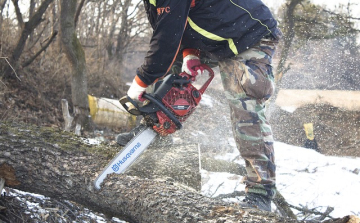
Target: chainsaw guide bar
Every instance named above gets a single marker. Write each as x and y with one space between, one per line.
173 100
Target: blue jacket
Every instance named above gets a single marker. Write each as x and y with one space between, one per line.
218 28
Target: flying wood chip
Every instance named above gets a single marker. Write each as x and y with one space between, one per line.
353 219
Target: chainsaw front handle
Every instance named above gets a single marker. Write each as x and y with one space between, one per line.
133 108
130 105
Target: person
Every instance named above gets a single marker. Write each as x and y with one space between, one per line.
240 36
310 142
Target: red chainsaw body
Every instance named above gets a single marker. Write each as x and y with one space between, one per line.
181 101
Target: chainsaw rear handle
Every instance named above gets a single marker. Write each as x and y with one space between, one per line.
206 84
133 108
211 76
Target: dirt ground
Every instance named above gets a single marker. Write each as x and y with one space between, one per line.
336 130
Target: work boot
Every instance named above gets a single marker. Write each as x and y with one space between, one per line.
123 138
258 201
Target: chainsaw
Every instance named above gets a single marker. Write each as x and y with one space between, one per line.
172 101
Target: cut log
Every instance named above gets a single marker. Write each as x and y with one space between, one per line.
173 163
61 165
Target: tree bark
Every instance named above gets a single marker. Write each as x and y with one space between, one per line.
60 165
76 56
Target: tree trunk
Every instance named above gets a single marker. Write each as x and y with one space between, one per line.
60 165
31 13
123 35
289 35
2 6
76 56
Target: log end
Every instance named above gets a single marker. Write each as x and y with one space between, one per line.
7 172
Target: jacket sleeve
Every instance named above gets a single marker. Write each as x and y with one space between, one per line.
165 42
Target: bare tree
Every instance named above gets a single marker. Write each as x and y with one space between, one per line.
123 36
289 34
26 29
115 24
76 56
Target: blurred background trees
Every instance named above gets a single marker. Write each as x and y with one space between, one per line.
98 49
319 45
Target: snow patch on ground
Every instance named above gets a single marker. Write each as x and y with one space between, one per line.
290 109
304 177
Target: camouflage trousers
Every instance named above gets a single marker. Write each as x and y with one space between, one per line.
249 82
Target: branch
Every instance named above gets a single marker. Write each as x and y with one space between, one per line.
18 13
306 210
28 28
283 206
337 14
33 43
28 62
7 61
325 214
78 11
135 8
